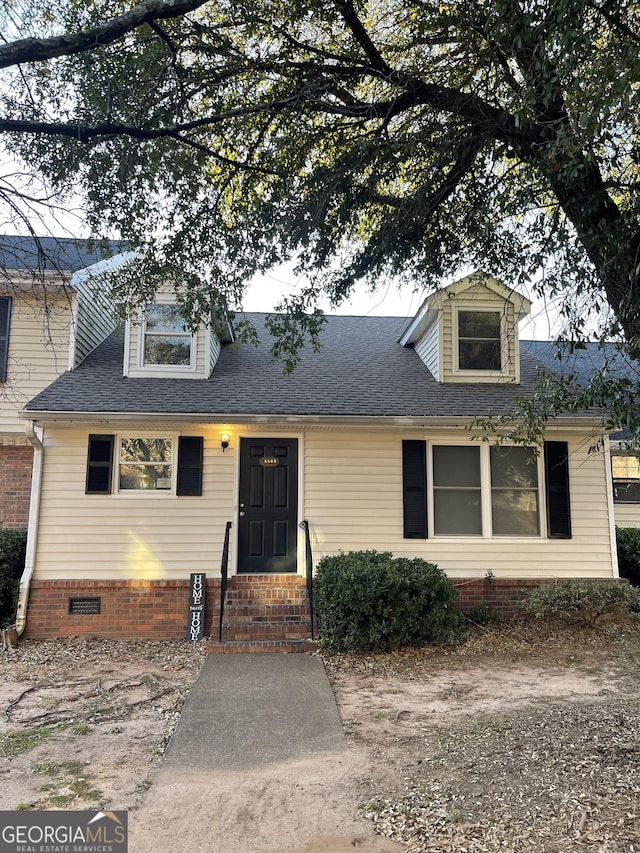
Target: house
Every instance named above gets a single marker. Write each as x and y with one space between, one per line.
50 318
582 365
167 455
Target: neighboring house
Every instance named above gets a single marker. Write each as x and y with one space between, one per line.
582 365
160 439
49 320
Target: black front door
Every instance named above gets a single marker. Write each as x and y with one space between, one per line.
267 524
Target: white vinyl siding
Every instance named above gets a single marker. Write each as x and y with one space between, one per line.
131 535
351 493
92 326
428 349
95 319
627 515
214 347
353 500
38 352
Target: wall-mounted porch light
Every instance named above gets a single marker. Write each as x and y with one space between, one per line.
224 441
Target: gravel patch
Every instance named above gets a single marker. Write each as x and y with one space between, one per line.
548 773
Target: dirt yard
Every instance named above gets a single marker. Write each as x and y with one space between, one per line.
521 738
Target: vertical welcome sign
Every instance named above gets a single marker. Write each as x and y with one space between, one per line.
197 593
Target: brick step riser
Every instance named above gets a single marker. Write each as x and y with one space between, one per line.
267 647
255 633
260 608
235 619
275 624
256 581
263 613
283 621
262 602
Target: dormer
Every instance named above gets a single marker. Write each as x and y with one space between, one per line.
159 343
468 331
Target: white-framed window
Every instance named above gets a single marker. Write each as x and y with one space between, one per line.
139 464
166 339
479 335
480 490
515 509
145 464
626 478
457 490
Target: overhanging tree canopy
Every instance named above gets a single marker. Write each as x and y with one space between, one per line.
365 139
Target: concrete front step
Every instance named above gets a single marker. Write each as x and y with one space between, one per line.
263 647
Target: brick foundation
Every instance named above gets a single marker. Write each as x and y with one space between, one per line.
157 610
501 595
15 486
151 610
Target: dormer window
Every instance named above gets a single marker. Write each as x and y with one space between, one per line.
166 339
479 340
468 331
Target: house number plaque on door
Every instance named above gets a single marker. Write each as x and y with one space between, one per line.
269 461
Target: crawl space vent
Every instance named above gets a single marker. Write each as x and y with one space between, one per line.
84 606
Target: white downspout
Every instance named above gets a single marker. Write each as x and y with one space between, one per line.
34 434
611 507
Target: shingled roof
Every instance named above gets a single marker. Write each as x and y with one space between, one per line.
361 371
55 254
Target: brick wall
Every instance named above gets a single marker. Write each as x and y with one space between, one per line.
15 485
501 594
153 610
157 610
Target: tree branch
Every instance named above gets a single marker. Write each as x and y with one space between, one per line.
410 216
37 50
615 22
87 133
348 12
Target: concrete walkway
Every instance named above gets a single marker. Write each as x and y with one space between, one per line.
248 711
258 763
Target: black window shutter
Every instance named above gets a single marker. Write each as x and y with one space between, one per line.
414 488
189 466
99 464
556 472
5 317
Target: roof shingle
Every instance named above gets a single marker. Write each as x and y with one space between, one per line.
361 370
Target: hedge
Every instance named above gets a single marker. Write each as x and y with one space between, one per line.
13 545
370 601
628 541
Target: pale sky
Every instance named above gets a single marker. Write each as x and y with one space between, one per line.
266 291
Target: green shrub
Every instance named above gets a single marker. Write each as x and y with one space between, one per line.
369 601
628 540
13 545
480 614
582 600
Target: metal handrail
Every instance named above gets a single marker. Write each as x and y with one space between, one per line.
224 570
309 563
